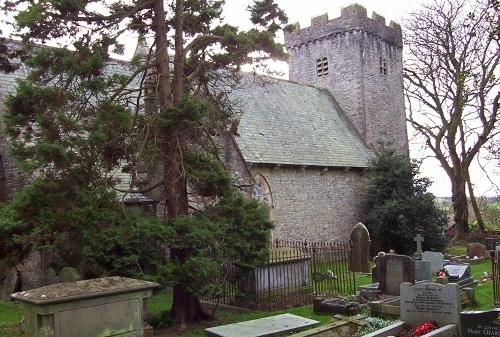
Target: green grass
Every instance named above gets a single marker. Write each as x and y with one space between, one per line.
10 316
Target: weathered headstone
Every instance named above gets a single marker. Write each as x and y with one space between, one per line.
418 239
68 274
476 249
480 323
436 260
360 254
422 270
393 270
424 302
375 268
31 270
10 284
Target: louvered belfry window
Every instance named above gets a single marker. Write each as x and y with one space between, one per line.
322 66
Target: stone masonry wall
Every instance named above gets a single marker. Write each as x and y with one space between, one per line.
354 46
309 205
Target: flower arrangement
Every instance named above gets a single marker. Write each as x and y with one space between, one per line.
443 272
418 330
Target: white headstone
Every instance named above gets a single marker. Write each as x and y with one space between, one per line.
436 260
425 302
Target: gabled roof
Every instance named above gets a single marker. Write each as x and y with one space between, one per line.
287 123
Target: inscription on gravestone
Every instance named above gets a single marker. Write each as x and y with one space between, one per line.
480 323
425 302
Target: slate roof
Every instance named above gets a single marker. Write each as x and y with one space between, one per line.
287 123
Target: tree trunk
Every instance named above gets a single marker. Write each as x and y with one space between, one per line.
475 207
460 204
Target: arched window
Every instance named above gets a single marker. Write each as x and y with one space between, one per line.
262 191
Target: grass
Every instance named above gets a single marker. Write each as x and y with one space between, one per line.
11 312
10 315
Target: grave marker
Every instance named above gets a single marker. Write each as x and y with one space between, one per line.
393 270
476 249
436 260
418 239
360 257
424 302
480 323
10 284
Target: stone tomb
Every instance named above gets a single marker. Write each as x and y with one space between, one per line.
480 323
360 253
110 306
288 268
424 302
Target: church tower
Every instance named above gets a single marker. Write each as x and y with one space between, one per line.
359 60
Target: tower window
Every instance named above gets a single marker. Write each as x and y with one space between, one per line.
322 66
383 65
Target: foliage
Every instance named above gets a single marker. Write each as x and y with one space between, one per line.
82 228
235 229
373 324
399 206
451 85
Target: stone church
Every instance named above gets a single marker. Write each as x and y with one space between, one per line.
304 145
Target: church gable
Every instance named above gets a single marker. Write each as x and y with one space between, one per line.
286 123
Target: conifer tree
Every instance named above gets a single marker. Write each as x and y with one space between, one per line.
399 206
73 120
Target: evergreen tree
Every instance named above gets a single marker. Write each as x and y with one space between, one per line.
399 207
73 121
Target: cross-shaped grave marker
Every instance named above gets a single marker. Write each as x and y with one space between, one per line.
418 239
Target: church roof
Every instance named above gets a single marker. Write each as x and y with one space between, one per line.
287 123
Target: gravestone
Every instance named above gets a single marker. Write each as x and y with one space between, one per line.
436 260
424 302
476 249
393 270
458 272
68 274
418 239
422 270
10 284
360 254
480 323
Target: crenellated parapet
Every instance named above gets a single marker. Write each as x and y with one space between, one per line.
353 18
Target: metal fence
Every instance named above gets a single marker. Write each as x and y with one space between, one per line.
495 267
295 273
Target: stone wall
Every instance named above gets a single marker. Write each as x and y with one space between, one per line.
313 204
354 47
11 179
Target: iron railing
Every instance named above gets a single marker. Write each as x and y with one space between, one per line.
295 273
495 267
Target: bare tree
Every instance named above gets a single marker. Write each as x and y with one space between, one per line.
452 88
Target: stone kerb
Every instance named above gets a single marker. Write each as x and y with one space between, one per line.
424 302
